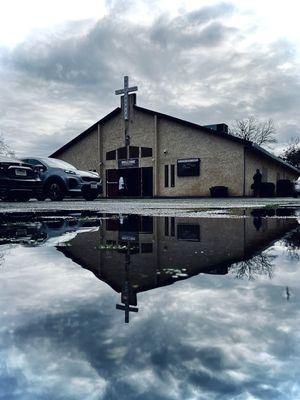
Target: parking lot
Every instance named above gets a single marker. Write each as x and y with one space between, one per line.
176 207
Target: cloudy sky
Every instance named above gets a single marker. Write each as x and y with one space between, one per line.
202 60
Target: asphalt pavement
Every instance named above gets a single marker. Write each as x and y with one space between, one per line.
176 207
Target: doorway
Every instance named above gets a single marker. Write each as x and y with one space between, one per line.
147 182
132 178
138 182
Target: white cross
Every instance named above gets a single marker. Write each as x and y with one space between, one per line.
125 91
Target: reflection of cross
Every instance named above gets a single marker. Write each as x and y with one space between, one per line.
125 91
127 298
127 309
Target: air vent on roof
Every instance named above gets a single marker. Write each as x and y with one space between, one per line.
221 128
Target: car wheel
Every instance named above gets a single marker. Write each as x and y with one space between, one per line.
55 191
90 196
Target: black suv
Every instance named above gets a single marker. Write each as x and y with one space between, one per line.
18 180
61 179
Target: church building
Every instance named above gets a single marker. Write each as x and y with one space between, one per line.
162 156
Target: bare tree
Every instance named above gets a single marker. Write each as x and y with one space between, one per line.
261 133
259 265
292 153
5 149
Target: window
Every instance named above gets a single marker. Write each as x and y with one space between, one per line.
172 226
111 155
146 152
134 152
172 175
147 224
166 176
122 153
32 161
166 226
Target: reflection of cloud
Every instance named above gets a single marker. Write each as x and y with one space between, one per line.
207 337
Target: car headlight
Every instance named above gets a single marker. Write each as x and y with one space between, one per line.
69 171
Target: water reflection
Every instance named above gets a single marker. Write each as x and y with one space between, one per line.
134 254
199 333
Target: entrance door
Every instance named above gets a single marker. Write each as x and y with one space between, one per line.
132 178
147 182
112 183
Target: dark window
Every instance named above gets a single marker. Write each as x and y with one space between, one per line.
32 161
172 226
166 226
146 248
147 224
111 155
146 152
122 153
166 176
133 152
172 175
188 167
112 224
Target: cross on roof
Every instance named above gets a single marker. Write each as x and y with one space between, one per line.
125 91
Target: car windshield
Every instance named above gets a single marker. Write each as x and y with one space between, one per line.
55 163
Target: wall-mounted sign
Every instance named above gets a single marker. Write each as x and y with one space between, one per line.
128 236
188 167
131 163
188 232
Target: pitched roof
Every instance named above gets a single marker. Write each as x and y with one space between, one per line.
248 144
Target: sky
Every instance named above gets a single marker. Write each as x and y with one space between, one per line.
200 60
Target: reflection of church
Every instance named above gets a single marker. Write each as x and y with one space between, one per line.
134 253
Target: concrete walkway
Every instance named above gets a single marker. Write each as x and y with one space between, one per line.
176 207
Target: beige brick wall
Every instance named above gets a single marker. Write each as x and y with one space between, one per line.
221 160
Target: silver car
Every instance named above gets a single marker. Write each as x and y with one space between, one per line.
297 187
61 179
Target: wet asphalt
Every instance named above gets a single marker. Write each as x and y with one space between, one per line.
176 207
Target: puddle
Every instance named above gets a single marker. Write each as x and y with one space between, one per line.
96 306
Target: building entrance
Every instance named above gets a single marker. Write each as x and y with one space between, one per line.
138 182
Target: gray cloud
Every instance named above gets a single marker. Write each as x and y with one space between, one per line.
54 86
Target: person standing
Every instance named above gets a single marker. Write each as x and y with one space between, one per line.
121 186
257 177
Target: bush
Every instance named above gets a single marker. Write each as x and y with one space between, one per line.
284 188
219 191
267 189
